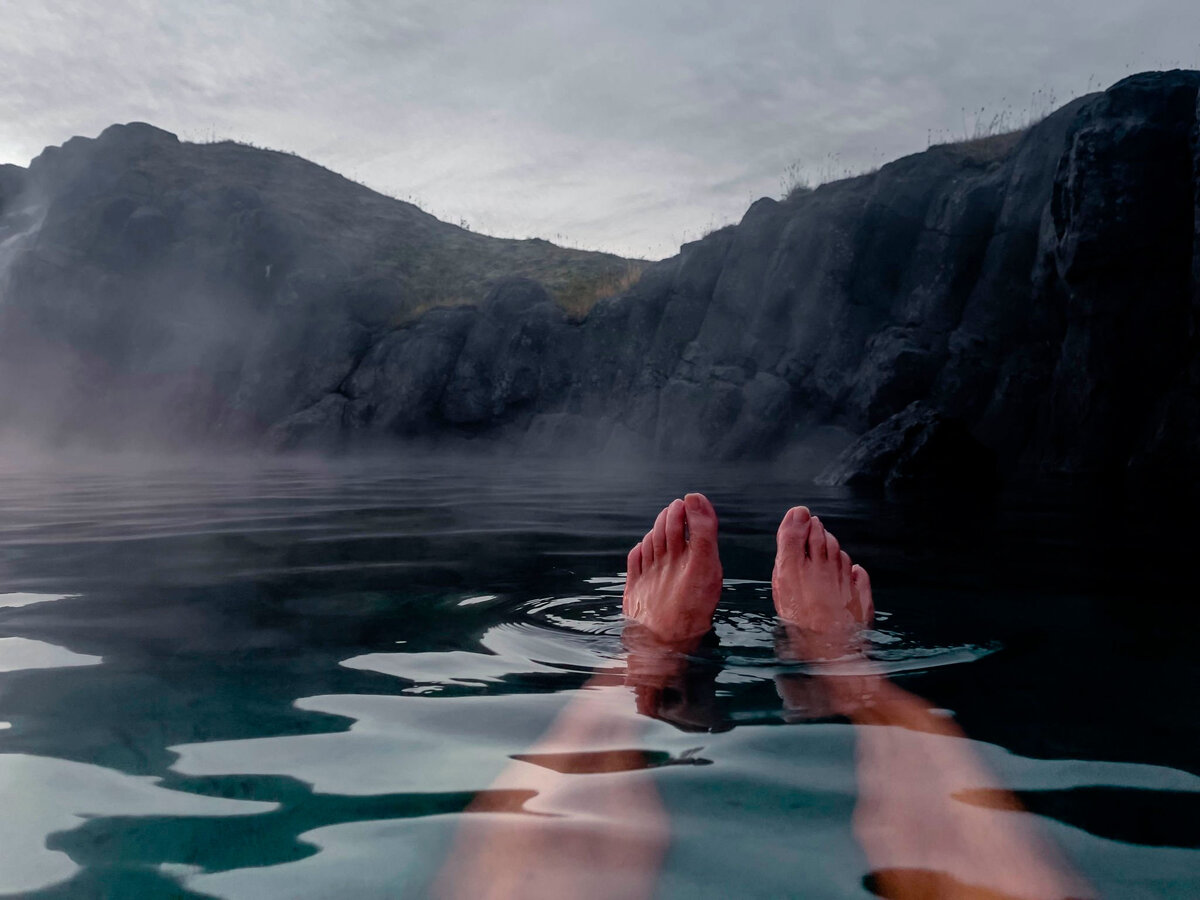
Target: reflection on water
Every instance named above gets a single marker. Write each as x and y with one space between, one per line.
45 796
283 680
14 600
20 653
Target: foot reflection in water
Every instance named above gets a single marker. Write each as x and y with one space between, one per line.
605 835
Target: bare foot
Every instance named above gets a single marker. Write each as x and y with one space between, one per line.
913 766
603 835
821 596
674 574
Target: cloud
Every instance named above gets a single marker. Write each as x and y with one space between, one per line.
619 124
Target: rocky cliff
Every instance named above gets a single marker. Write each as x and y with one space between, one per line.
1020 305
156 290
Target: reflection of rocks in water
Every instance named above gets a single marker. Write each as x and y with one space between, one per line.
583 762
898 884
267 629
1157 818
225 843
43 797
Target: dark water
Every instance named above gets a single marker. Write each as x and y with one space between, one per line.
287 680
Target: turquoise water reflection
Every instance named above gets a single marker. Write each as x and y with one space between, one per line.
287 680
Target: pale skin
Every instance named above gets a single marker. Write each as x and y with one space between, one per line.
605 834
571 824
674 573
600 835
922 842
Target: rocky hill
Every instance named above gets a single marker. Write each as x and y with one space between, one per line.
1019 306
152 289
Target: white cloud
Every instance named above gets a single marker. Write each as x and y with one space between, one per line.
620 125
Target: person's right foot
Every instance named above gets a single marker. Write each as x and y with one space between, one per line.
673 579
820 595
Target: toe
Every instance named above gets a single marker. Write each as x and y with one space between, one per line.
833 549
633 571
659 535
701 523
844 563
793 531
633 564
816 540
676 522
860 588
647 550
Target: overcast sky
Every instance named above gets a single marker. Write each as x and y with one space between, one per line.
625 125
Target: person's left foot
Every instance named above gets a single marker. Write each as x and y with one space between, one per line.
674 573
822 597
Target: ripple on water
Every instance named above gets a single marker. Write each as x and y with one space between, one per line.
508 651
371 784
580 634
745 625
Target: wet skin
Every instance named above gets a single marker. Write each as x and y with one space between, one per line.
674 573
606 835
923 843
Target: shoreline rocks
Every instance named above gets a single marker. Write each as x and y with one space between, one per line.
1024 305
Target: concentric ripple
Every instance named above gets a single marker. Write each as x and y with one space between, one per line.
745 625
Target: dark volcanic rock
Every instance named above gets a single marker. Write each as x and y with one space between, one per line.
509 356
1123 212
917 448
1026 303
397 388
157 290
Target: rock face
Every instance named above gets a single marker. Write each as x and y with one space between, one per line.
157 290
1025 303
916 449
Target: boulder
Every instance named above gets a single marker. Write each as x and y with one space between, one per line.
918 448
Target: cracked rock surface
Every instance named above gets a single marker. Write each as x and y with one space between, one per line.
1019 305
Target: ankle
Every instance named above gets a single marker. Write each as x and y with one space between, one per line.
815 641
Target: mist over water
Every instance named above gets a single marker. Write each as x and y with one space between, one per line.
285 677
231 670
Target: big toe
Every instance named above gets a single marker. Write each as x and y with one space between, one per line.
817 547
701 521
792 535
633 565
676 528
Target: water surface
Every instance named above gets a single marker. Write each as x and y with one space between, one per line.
285 679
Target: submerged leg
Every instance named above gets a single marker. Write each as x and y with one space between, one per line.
915 767
578 815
